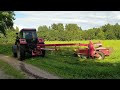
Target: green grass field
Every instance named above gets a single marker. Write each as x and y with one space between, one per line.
65 65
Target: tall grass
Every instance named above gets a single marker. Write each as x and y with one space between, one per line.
65 65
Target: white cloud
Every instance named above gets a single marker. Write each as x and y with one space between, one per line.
20 26
68 20
85 19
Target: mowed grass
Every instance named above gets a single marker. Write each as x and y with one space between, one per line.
65 65
9 70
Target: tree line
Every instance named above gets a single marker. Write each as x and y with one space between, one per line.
71 32
59 32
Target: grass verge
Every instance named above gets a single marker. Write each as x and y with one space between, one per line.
9 70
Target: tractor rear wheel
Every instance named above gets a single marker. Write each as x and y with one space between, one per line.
100 55
21 52
15 54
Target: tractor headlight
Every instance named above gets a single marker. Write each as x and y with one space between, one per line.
23 41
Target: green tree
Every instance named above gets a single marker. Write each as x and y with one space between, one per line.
100 35
60 27
60 32
6 20
43 28
57 31
109 31
110 34
17 29
117 30
73 32
106 27
54 26
90 34
43 32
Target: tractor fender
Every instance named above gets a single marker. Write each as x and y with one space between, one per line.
14 48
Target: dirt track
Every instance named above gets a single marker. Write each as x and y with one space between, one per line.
31 72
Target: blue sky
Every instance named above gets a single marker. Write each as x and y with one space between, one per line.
84 19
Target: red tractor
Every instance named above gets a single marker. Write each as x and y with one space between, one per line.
26 42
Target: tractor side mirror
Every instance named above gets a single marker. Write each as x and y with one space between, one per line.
17 36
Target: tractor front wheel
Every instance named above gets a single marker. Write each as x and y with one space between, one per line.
99 55
21 52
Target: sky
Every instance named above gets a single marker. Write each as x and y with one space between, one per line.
84 19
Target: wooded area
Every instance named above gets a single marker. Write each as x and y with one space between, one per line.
59 31
73 32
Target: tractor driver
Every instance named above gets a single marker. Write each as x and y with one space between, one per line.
29 35
30 38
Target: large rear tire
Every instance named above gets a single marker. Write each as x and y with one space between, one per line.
21 52
101 55
15 54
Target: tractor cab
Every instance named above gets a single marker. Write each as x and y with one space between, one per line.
28 34
27 42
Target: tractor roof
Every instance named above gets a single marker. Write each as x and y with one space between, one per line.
24 29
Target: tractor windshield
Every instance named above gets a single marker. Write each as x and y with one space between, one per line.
29 34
